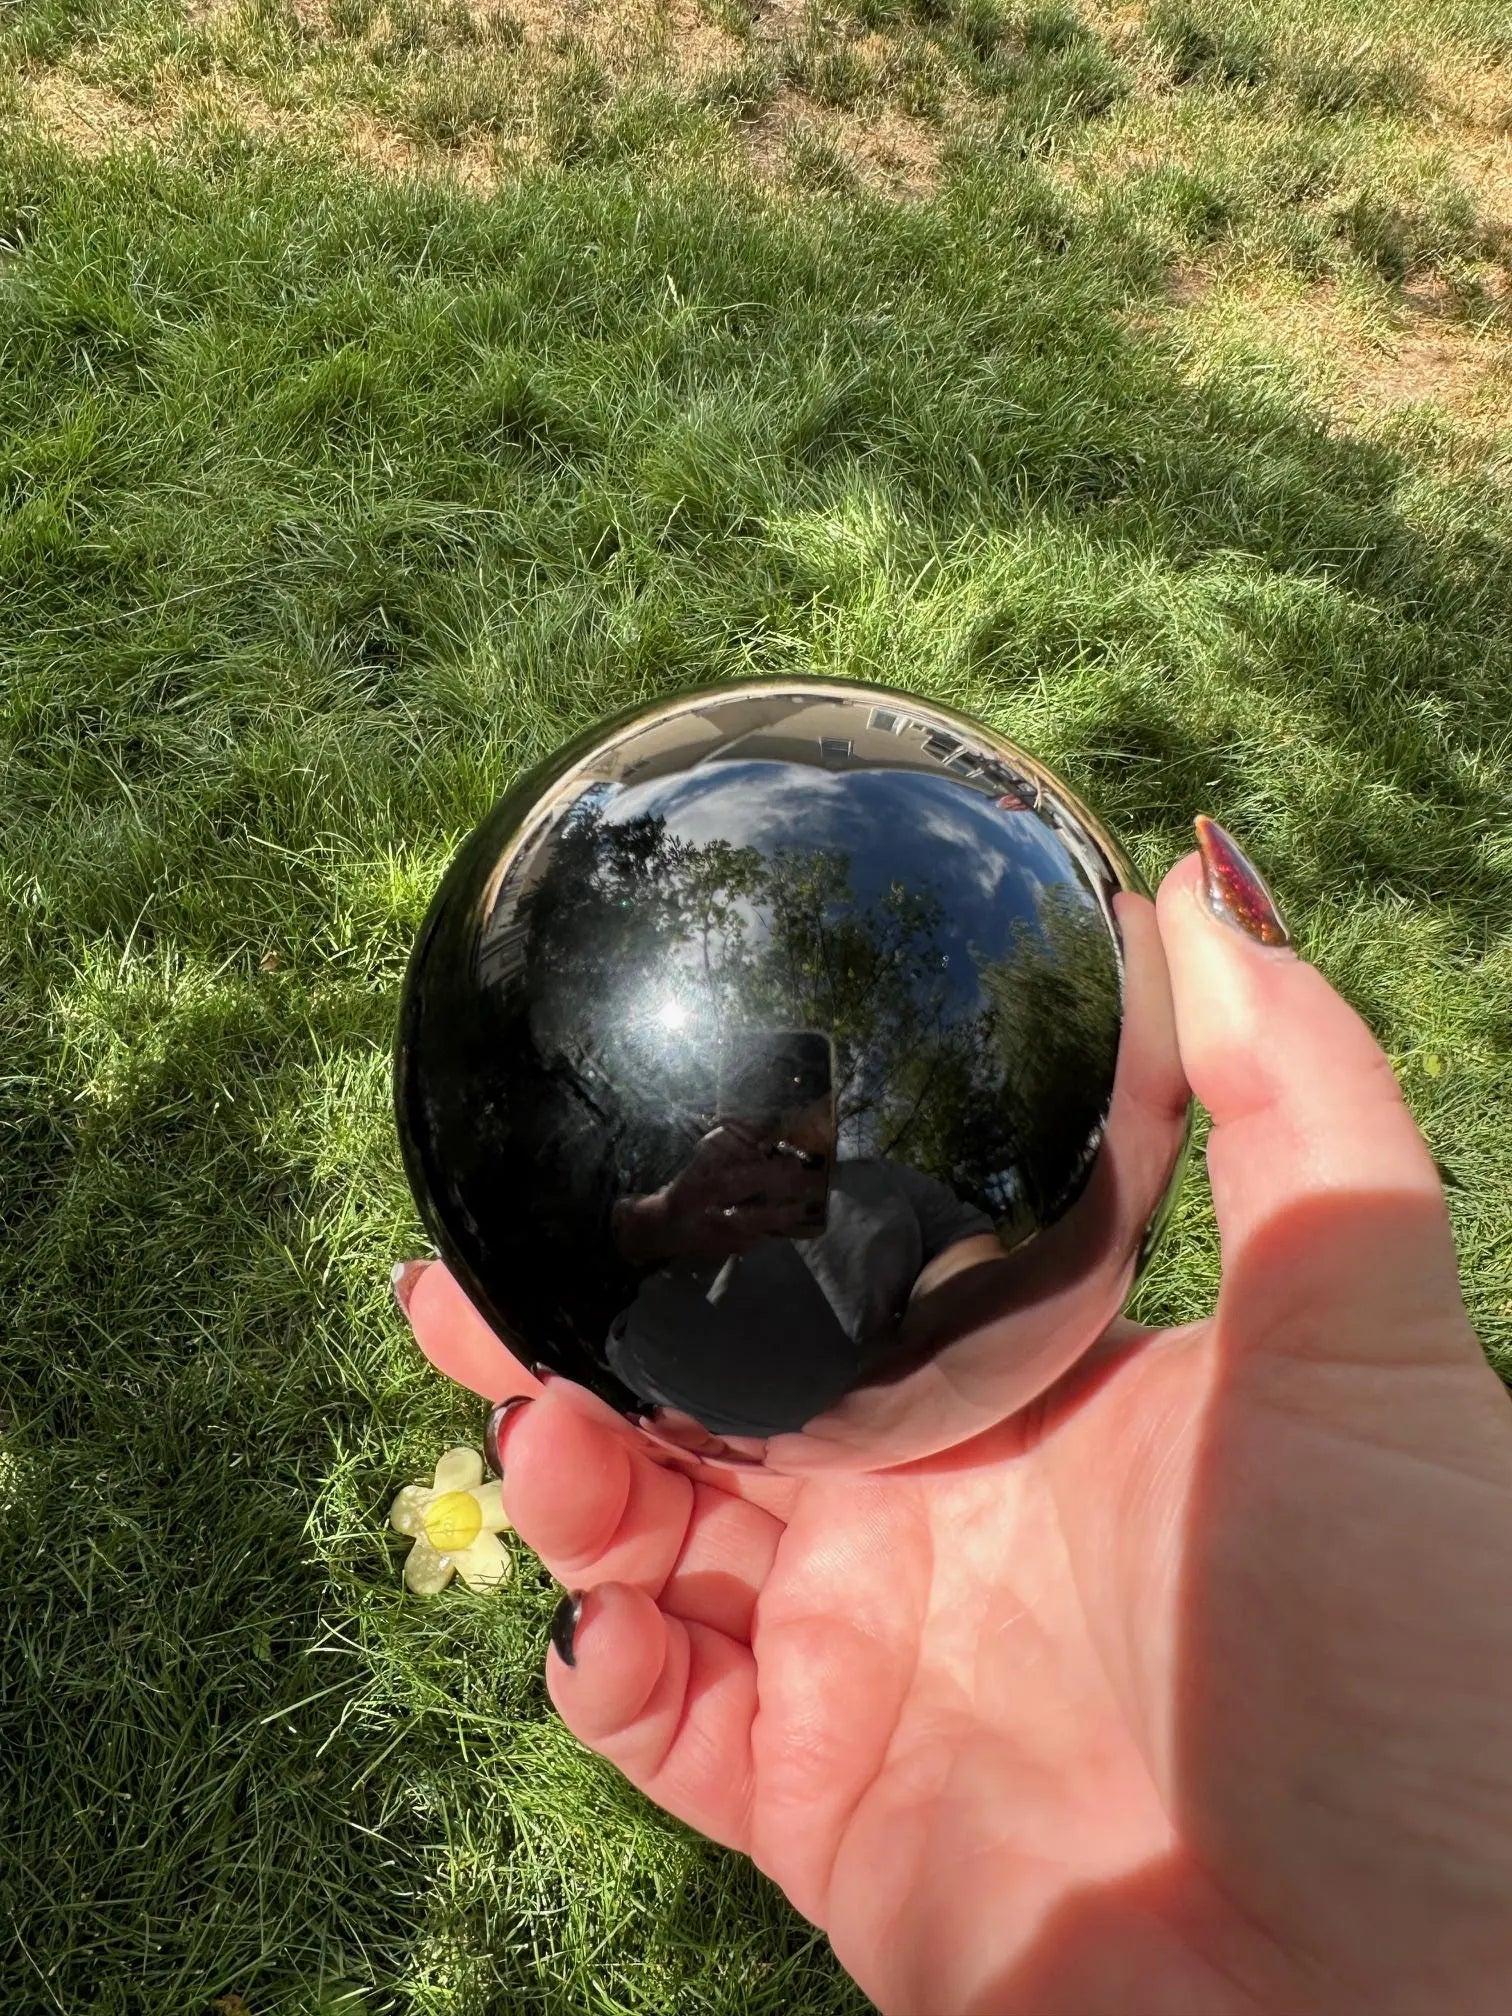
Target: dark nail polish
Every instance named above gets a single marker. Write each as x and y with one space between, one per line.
1233 886
493 1430
406 1273
564 1626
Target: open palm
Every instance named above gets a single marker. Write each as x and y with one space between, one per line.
1184 1691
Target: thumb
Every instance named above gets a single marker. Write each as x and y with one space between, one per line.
1326 1195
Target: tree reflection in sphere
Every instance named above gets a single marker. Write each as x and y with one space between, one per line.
786 1064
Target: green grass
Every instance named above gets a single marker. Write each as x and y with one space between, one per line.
329 503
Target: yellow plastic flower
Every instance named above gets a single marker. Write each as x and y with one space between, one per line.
455 1523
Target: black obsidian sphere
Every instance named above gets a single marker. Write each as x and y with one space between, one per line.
792 1065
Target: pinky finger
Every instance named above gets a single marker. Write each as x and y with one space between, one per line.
671 1704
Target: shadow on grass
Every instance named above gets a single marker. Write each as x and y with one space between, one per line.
327 508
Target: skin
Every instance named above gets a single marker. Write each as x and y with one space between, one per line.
1185 1692
736 1191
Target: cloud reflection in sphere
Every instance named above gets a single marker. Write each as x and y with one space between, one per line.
788 1064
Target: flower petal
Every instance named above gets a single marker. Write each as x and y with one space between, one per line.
426 1571
459 1470
485 1564
407 1513
490 1501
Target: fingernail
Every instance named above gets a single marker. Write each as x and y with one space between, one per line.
1233 887
406 1273
494 1427
564 1626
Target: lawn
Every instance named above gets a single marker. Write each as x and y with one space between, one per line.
385 392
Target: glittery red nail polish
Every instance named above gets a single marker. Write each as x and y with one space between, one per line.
1233 888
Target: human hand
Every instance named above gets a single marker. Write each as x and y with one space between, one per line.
1184 1692
736 1190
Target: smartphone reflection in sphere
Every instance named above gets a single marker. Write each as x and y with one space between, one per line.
771 1062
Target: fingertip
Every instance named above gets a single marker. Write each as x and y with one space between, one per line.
1183 874
1304 1103
402 1281
1232 996
589 1503
454 1336
672 1704
496 1430
567 1482
1178 900
1216 889
1233 888
608 1653
582 1400
564 1623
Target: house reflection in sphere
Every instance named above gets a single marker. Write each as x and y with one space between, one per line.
756 1069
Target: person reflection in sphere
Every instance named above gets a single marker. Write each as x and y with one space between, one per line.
761 1311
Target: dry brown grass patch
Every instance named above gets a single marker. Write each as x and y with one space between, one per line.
92 122
1484 165
1468 116
668 37
779 21
84 118
1187 286
474 165
673 37
310 14
1436 358
886 151
1362 364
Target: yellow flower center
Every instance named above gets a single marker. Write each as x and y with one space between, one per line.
453 1521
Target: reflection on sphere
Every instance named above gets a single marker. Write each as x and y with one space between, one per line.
755 1070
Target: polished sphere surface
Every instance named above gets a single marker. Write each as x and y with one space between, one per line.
773 1062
